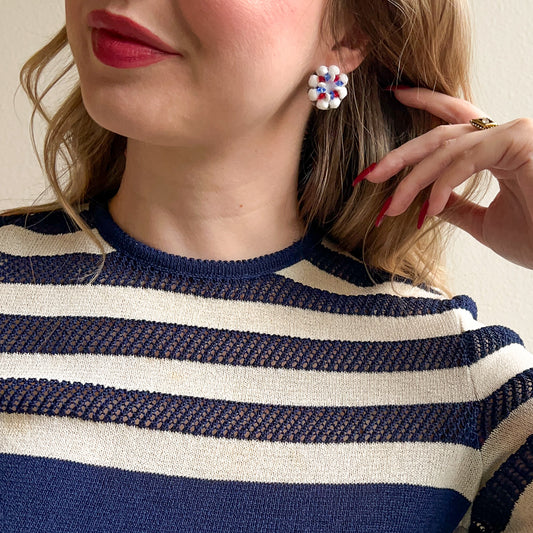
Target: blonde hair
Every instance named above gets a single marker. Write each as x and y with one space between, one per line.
422 43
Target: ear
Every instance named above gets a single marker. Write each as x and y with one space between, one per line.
349 52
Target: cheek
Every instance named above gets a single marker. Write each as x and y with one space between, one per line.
254 29
261 51
73 22
244 60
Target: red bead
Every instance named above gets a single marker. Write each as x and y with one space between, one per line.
321 79
321 96
336 78
336 94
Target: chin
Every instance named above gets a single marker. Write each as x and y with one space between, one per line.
118 115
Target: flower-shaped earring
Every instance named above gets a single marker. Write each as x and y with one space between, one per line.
327 87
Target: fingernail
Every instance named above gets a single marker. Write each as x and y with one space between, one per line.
423 213
397 87
384 209
364 174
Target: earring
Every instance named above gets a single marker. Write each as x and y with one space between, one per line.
327 87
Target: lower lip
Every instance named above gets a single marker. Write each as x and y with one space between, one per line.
119 52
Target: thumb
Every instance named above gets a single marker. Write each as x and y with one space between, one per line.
466 215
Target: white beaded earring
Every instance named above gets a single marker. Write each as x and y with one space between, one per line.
327 87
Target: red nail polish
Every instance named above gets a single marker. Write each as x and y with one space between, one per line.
384 209
364 174
397 87
423 213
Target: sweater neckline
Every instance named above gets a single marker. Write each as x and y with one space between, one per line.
121 241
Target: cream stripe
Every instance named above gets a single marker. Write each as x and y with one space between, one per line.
270 385
132 448
171 307
18 241
308 274
468 322
327 243
491 372
507 438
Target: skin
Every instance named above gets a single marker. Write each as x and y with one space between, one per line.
214 135
448 155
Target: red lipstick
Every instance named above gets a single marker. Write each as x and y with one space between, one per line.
121 43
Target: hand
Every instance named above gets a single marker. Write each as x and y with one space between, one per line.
448 155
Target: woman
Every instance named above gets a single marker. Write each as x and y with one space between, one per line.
268 344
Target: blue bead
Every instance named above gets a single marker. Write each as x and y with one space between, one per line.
332 94
339 83
320 90
327 77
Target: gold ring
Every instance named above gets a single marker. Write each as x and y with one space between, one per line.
483 123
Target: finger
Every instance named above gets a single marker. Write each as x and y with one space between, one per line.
466 215
506 148
449 166
448 108
413 151
466 159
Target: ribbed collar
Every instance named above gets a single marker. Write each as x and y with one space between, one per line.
243 268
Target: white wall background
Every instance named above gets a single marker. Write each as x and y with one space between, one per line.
503 78
502 81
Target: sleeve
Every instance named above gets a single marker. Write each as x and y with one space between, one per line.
502 375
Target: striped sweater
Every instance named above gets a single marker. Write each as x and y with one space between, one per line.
292 392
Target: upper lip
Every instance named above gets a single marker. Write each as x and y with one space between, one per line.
127 28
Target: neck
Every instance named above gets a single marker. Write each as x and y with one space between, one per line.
237 200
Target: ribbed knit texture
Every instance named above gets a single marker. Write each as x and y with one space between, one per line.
294 392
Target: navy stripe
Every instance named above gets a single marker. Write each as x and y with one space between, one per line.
354 270
346 268
52 496
503 401
494 505
486 340
57 222
118 270
251 280
47 222
97 216
212 269
444 422
70 335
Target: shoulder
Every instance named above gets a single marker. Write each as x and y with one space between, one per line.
345 279
38 234
38 227
338 282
